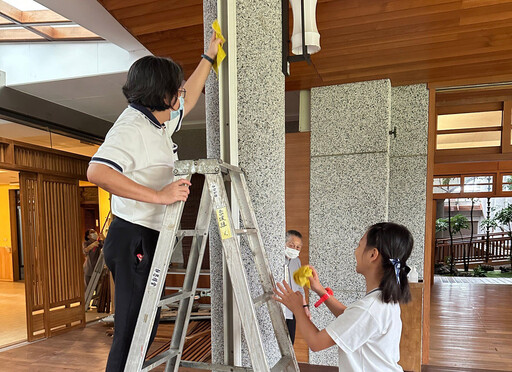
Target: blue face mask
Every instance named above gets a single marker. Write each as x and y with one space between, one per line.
175 114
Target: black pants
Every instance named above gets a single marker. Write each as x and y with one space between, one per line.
291 323
124 241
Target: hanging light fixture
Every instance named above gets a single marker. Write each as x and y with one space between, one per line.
305 36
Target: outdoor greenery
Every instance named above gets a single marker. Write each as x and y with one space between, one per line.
455 224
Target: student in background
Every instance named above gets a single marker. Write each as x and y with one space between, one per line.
91 248
292 264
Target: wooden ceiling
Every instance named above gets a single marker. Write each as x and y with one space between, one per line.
407 41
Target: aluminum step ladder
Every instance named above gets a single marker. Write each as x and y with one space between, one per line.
95 278
214 198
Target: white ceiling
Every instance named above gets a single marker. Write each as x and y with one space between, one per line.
98 95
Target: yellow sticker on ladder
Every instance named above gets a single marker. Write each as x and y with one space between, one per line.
222 219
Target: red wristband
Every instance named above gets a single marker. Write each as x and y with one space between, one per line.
324 297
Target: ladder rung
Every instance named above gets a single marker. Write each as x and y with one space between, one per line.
283 364
246 231
159 359
181 233
214 367
260 300
183 272
175 297
179 288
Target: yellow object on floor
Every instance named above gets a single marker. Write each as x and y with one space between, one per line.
221 54
302 275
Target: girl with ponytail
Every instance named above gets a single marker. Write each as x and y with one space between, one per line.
367 331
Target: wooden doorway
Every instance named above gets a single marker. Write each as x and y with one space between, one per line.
54 285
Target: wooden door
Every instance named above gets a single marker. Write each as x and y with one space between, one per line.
52 247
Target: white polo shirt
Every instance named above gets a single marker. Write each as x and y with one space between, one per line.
368 335
140 148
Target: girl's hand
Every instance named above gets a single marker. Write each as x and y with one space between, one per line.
314 281
213 48
173 192
285 295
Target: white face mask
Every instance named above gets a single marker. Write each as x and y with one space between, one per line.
291 253
93 236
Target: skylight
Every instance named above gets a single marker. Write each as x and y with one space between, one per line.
25 5
27 20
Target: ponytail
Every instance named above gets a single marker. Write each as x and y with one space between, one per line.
394 243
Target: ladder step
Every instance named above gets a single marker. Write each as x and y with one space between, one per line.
175 297
214 367
283 365
178 288
260 300
181 233
159 359
246 231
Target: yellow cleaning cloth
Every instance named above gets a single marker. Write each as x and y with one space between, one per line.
301 276
221 54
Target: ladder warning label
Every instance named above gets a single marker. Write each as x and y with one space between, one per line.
222 219
155 277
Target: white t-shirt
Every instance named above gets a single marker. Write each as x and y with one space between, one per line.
290 266
368 335
140 148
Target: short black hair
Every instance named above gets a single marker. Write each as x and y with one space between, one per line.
393 241
87 232
293 233
152 82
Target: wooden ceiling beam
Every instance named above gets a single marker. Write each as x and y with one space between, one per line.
151 7
10 12
164 21
9 34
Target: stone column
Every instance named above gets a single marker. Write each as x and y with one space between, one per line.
408 165
349 185
261 144
361 175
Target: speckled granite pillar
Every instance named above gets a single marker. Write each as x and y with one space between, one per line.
408 164
213 151
359 176
261 135
349 185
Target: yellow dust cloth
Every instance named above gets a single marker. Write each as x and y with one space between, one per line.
221 54
301 276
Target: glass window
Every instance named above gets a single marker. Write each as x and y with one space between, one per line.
478 184
447 181
506 183
447 185
469 120
468 140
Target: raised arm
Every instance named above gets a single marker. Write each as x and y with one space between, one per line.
195 83
336 307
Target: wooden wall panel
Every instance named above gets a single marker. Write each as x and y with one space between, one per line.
16 155
410 343
297 165
61 231
33 254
